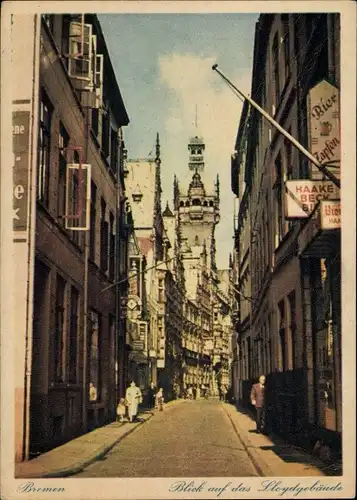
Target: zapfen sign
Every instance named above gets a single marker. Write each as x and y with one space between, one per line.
324 124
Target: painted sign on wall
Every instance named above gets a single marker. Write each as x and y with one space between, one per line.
20 135
323 110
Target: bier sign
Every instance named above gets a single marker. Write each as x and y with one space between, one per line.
323 112
20 148
330 214
302 196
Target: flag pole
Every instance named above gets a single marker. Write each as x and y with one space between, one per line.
275 124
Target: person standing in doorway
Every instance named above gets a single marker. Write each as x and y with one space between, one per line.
257 397
152 395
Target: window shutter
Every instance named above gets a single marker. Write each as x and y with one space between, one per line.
98 81
80 51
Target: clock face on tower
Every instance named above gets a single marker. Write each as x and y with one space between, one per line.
131 304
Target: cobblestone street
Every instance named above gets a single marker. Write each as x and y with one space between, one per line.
195 438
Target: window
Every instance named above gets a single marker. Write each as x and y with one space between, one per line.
98 80
63 140
114 150
286 42
278 199
289 157
105 133
95 357
95 121
161 290
292 313
267 349
282 336
59 329
266 233
74 197
73 336
43 167
80 51
111 247
93 213
65 38
276 68
249 358
103 238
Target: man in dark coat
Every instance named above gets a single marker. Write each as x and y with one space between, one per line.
152 395
257 397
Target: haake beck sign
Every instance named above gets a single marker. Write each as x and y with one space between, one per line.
20 141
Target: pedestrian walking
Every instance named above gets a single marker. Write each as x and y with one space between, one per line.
190 393
160 400
194 391
121 410
152 395
133 397
257 397
224 393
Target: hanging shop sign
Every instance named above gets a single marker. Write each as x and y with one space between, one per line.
330 214
301 196
323 112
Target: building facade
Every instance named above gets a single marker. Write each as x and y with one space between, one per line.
207 333
223 331
73 339
143 189
287 267
137 317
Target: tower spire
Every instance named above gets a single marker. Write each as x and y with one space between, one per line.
158 159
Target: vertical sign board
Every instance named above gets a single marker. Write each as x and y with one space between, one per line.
323 110
21 135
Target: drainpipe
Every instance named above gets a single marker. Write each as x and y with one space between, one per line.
85 294
118 228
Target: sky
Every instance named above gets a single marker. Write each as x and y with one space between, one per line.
163 65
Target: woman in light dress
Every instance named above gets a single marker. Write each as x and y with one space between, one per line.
133 397
160 400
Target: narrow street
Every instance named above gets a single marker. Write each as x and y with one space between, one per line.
192 439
